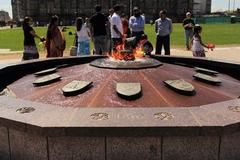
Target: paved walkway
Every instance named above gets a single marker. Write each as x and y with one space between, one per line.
226 53
221 53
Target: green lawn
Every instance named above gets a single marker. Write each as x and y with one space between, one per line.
219 34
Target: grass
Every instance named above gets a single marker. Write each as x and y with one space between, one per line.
219 34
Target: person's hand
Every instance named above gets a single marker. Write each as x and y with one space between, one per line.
121 35
190 25
211 46
42 39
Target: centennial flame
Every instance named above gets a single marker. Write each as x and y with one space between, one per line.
120 53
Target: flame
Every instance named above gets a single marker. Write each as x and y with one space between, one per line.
138 52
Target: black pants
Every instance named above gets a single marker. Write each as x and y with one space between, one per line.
115 42
165 42
138 35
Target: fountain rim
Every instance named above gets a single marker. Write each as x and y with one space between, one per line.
106 63
218 120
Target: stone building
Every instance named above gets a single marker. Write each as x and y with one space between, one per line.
4 16
67 10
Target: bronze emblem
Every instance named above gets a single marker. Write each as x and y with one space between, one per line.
24 110
164 116
100 116
234 108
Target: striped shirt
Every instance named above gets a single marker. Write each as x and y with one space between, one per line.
163 27
136 24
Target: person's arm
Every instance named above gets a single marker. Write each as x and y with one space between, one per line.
89 32
32 32
131 22
117 31
114 23
185 25
108 24
91 28
191 43
193 23
200 40
143 22
156 26
170 26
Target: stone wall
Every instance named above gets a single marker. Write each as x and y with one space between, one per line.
17 145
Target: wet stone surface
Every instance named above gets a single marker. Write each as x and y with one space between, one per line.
116 64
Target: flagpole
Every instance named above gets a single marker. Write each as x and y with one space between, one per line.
229 3
234 1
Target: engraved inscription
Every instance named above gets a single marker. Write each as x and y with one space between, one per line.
130 116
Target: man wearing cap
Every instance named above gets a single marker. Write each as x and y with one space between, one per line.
136 23
188 25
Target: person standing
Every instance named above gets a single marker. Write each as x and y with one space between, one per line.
197 43
125 24
163 28
109 39
55 41
84 35
116 27
30 49
99 24
136 23
188 25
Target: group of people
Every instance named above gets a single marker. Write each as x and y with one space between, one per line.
107 32
55 42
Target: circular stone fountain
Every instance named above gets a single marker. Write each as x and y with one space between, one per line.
40 121
140 63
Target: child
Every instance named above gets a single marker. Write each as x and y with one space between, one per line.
84 35
197 44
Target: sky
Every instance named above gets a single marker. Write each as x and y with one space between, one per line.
217 5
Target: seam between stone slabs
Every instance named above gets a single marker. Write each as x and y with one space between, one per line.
105 145
9 146
150 83
219 146
48 156
101 88
161 147
195 118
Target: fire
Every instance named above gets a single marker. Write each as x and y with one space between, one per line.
121 53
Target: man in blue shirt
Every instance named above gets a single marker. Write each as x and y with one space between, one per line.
163 28
136 23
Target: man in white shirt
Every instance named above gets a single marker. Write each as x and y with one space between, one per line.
116 27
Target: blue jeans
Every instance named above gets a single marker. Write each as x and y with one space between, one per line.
188 36
83 48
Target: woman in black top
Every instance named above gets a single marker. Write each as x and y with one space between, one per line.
30 49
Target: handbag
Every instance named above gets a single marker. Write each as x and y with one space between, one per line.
73 50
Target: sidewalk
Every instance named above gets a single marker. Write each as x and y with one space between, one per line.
226 53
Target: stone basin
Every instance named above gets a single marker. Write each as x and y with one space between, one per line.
41 123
